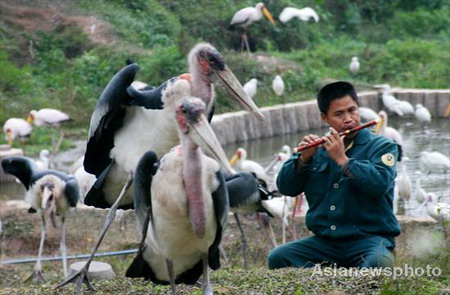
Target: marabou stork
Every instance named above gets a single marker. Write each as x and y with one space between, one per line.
182 205
49 192
126 123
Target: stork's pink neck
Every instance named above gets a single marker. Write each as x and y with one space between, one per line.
192 178
202 87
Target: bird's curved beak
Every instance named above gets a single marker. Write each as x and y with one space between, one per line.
234 159
206 139
267 14
226 78
30 119
9 137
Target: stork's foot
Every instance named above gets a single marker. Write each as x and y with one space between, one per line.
79 278
36 276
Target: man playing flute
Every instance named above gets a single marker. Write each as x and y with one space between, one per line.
349 184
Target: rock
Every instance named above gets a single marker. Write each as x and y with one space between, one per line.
97 270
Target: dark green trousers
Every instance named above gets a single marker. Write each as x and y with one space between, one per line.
367 251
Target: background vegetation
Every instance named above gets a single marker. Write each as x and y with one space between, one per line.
401 42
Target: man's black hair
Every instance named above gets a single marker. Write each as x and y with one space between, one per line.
334 91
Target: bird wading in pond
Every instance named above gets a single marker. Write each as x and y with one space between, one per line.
51 194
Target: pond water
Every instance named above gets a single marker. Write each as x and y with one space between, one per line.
435 137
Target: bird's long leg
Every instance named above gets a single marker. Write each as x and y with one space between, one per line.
283 226
36 275
265 221
81 276
244 36
206 285
169 266
63 245
223 254
244 239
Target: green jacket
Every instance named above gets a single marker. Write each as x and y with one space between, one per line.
350 202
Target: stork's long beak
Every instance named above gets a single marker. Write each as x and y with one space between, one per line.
378 126
234 87
9 137
234 159
267 14
206 139
30 119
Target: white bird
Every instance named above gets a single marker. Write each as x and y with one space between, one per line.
387 131
43 162
16 128
304 14
245 17
278 85
389 101
419 193
354 65
47 117
405 107
49 192
251 87
367 114
422 114
279 158
243 164
182 205
439 211
404 182
432 161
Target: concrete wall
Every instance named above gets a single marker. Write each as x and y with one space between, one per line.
302 116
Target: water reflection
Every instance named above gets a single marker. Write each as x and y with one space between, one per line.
435 137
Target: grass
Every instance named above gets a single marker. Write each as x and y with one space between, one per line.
20 238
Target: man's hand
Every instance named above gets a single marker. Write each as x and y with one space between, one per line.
334 144
308 153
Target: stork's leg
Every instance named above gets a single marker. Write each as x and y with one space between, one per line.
244 37
206 285
223 254
169 266
81 276
36 275
283 226
63 245
244 239
265 221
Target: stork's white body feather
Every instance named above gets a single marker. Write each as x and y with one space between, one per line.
18 128
34 194
171 224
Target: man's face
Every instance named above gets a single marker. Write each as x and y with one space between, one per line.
343 114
